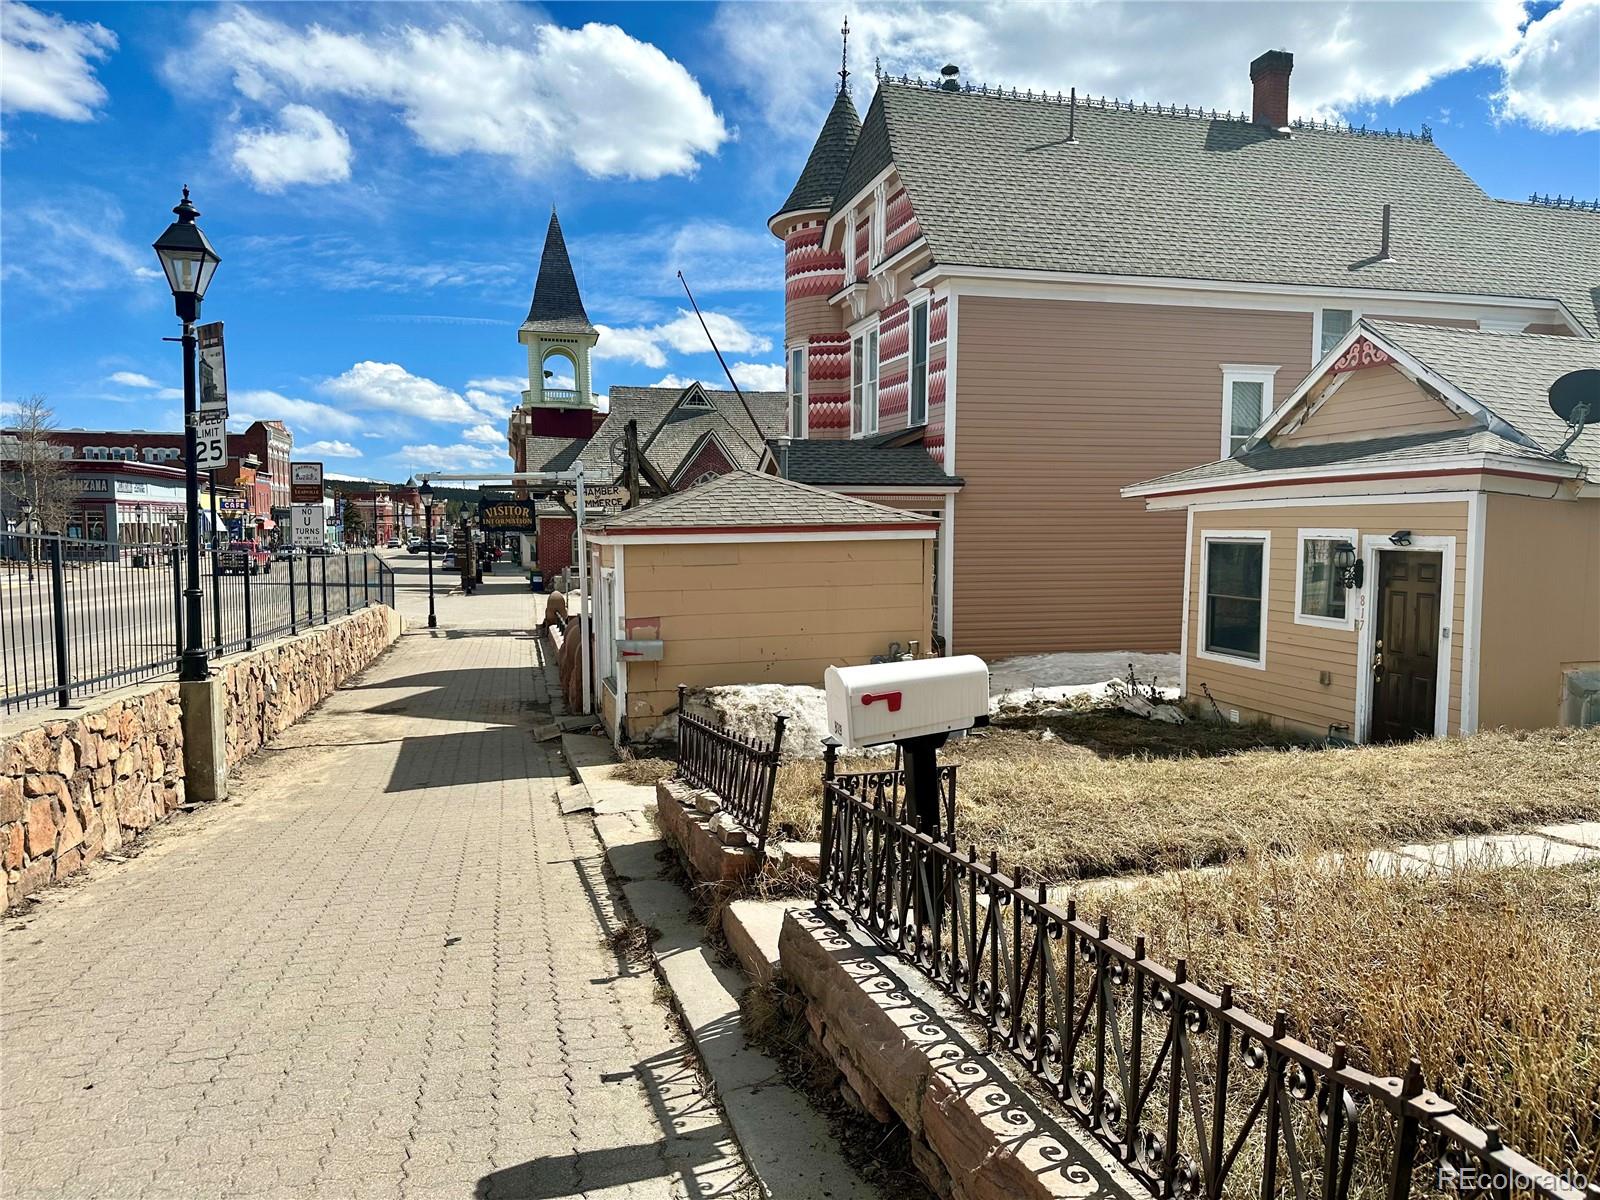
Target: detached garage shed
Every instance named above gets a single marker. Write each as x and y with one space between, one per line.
750 579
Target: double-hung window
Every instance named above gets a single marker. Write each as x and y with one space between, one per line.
1320 596
1246 402
919 366
797 392
1233 601
864 383
1332 325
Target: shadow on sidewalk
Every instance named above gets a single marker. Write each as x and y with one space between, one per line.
697 1147
457 759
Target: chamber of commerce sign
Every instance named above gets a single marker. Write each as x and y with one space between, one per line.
506 516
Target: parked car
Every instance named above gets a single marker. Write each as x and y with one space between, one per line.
392 544
323 549
415 546
286 553
242 557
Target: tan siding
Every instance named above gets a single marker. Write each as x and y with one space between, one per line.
1060 404
1378 401
770 612
1541 605
1289 690
806 315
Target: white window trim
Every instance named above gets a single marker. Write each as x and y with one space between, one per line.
805 396
1259 663
1233 373
1348 621
1355 312
872 362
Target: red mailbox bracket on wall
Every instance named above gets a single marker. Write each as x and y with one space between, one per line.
892 699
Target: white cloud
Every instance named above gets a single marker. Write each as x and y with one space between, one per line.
487 83
673 381
647 345
70 243
490 404
1345 55
391 387
307 147
485 433
714 255
300 415
759 377
137 379
1552 77
47 63
458 457
329 449
504 384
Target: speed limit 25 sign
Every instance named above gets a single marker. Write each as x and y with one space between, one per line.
211 444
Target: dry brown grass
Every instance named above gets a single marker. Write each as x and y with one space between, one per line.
1489 974
1060 809
646 772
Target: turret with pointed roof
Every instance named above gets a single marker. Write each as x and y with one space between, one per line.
557 307
558 329
825 167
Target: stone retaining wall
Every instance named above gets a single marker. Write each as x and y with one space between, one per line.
976 1132
77 785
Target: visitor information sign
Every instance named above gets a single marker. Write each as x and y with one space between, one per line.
306 526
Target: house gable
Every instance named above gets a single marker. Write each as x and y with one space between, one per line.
1372 401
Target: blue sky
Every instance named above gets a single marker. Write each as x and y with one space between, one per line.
377 179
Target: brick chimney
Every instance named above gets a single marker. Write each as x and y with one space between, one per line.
1269 76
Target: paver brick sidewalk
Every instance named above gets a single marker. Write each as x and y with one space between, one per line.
380 970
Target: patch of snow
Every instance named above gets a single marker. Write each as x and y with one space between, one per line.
1029 679
748 709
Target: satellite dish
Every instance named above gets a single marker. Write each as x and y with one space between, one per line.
1575 398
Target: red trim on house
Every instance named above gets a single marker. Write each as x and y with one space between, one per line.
1263 483
630 530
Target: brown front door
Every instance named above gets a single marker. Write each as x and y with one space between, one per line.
1405 660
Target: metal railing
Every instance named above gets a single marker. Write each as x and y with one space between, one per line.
78 615
741 771
1198 1097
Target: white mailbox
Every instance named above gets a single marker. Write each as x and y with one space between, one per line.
891 702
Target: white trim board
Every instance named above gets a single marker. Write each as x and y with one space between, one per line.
701 539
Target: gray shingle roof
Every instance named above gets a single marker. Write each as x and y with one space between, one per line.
825 166
995 182
1508 373
746 499
834 463
552 453
668 434
557 307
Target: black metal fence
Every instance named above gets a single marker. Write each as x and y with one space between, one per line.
1200 1098
79 615
741 771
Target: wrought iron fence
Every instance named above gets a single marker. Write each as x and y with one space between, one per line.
1198 1097
741 771
79 615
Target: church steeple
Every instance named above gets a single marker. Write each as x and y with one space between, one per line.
558 330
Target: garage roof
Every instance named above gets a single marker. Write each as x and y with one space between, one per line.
751 501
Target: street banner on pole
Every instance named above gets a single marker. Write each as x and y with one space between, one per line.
213 372
305 483
306 525
211 442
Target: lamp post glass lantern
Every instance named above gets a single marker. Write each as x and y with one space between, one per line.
426 492
189 262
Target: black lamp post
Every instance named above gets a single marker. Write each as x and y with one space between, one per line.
25 510
426 492
189 262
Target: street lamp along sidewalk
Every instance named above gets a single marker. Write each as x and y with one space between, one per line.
426 494
189 263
